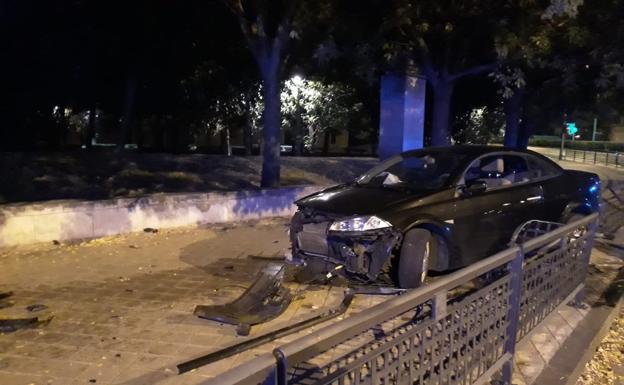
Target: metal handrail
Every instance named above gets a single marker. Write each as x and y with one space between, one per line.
325 338
251 372
542 240
301 348
306 347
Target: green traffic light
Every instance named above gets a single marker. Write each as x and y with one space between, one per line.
571 128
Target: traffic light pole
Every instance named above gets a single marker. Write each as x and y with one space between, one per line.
562 149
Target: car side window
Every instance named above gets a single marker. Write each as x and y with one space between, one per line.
516 169
498 170
539 168
489 169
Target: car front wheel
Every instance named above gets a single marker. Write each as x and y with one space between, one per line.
414 258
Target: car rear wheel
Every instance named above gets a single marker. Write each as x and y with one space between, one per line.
414 258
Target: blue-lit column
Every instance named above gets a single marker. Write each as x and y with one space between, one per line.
402 118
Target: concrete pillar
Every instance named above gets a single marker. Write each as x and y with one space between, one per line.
402 118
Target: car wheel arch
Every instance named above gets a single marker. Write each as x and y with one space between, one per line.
575 208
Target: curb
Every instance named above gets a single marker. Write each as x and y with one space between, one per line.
593 346
563 368
22 224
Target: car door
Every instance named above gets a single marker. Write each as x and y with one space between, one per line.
552 181
485 221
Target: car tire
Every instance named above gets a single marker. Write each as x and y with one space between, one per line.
416 253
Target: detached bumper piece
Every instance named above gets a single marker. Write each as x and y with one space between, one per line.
268 337
264 300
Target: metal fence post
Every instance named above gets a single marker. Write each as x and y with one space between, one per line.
595 154
584 155
617 159
281 371
439 306
589 245
574 155
270 379
606 158
513 313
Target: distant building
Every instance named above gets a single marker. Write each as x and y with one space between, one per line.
616 133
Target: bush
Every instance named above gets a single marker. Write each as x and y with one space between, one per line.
577 144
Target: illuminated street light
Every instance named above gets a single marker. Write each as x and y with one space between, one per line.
297 80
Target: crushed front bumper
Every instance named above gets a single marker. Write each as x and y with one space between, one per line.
362 254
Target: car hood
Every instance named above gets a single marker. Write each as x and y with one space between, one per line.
357 200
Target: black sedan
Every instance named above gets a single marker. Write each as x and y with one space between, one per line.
436 209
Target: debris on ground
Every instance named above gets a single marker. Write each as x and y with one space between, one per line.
13 321
268 337
265 299
150 230
36 307
607 365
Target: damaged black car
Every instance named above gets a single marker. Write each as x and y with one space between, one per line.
433 210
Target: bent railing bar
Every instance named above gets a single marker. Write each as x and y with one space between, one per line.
589 238
542 240
291 354
514 311
300 349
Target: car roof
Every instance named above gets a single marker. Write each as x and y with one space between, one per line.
472 150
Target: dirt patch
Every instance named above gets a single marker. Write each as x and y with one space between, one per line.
26 177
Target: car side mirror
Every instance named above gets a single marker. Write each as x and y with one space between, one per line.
475 187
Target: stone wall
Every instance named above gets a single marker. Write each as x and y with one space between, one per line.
72 220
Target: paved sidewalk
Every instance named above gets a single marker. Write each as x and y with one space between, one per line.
122 306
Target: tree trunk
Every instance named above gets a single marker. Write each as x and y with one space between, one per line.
513 110
128 109
326 143
58 139
90 132
298 147
226 145
442 94
526 130
159 135
248 136
272 123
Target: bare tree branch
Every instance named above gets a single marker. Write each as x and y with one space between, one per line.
282 35
476 70
246 25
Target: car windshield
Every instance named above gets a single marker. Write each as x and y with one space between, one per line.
420 171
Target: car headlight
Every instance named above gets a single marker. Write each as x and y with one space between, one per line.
360 224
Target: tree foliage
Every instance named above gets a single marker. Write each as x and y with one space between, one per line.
324 109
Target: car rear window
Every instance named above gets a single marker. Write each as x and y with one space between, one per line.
541 168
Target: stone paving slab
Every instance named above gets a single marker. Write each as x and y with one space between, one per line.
122 306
